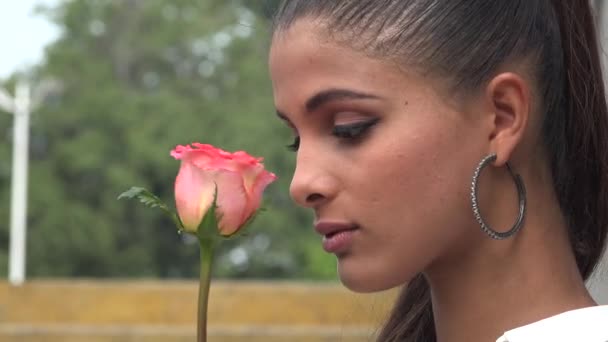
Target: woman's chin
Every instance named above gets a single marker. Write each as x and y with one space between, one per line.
365 280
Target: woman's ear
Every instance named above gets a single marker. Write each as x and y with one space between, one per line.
508 97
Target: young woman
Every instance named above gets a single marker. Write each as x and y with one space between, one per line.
456 146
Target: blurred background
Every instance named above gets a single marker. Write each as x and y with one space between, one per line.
126 81
115 85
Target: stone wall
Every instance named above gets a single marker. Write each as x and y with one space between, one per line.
133 311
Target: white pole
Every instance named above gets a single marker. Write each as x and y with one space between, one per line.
19 177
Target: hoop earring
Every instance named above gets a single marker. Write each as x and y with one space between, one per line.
521 192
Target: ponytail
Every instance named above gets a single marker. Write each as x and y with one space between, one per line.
580 156
412 317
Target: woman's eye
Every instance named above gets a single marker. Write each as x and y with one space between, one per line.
354 130
295 145
350 131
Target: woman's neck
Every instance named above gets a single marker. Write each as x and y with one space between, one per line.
501 285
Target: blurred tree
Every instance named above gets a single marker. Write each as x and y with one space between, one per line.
264 8
140 77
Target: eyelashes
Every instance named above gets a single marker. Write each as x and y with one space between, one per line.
350 132
293 147
353 130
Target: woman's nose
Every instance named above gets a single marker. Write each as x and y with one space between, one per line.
312 183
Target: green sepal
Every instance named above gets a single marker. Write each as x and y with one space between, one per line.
208 229
151 201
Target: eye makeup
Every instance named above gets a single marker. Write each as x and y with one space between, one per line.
349 132
353 130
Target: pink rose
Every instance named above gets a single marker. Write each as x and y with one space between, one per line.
240 179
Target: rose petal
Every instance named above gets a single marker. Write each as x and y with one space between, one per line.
250 174
185 151
178 151
208 159
244 158
194 190
232 201
255 194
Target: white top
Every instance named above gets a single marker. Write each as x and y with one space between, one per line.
581 325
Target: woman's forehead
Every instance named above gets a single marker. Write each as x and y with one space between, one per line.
301 57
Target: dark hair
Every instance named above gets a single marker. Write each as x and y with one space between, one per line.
466 41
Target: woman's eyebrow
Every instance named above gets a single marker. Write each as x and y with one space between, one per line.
329 95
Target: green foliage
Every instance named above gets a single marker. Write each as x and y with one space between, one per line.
138 78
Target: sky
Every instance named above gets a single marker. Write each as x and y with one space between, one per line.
23 34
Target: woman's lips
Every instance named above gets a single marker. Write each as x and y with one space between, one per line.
337 236
338 242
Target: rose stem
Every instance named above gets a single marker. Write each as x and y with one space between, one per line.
206 252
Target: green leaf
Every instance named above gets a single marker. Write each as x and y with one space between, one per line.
144 196
151 201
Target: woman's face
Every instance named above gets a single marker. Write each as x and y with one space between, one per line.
380 152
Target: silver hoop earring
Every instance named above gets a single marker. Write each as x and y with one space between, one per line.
521 192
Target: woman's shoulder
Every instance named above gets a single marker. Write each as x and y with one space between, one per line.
581 325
